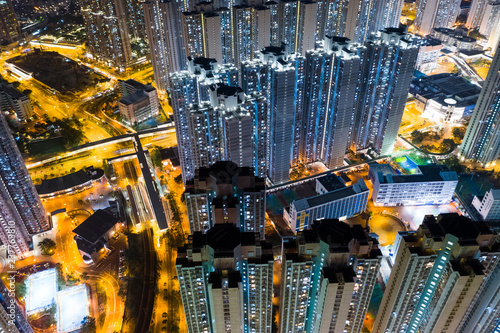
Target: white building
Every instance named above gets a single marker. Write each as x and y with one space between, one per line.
431 185
428 55
488 206
444 110
340 202
435 14
12 99
139 102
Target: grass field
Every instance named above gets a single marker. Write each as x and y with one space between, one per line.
49 146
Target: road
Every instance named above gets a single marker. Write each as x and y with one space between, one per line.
467 69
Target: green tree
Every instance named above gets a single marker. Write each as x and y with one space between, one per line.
89 325
156 156
417 137
47 246
21 289
458 133
178 179
454 164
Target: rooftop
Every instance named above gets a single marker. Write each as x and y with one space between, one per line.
205 63
134 98
331 182
445 85
96 226
321 199
429 173
69 181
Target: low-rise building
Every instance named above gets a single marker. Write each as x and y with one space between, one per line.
455 39
488 206
92 235
139 102
431 185
334 201
76 181
445 97
12 99
428 54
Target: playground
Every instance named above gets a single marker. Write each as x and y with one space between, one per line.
73 307
41 289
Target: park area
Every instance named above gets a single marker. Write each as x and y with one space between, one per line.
58 72
41 289
481 67
73 307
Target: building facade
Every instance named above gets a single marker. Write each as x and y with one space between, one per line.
339 203
327 278
21 213
482 138
10 31
488 206
436 275
139 102
226 281
191 87
12 318
107 33
15 101
225 192
431 185
436 14
389 65
165 39
332 85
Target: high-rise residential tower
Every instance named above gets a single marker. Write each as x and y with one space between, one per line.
297 24
328 276
436 14
21 211
356 19
279 75
225 192
107 31
226 281
164 32
476 13
10 31
389 64
12 318
437 273
191 87
135 19
333 75
490 20
482 138
223 129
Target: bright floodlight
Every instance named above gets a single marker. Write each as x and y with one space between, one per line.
72 308
42 289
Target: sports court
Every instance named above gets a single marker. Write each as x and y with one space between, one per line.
73 307
41 289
